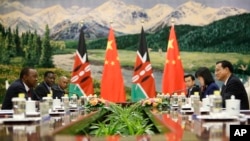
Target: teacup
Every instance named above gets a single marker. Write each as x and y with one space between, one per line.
233 106
206 103
30 107
56 103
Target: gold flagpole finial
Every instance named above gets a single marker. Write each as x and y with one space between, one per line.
111 22
172 22
142 22
81 23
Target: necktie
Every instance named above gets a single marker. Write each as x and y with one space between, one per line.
223 87
29 93
189 92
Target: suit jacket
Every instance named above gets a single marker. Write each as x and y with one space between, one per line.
209 90
42 90
14 89
191 91
235 87
57 91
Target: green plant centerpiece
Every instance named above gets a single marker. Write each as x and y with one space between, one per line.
123 121
115 119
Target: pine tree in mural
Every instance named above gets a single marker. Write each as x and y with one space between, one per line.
32 50
29 52
4 54
6 50
37 47
46 54
17 42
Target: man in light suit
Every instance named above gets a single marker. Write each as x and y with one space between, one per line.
25 84
232 84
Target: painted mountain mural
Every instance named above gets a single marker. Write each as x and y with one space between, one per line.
64 17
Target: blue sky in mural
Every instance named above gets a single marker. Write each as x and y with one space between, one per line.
143 3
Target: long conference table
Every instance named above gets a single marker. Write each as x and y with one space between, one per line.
183 125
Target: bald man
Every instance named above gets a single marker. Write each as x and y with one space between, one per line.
59 89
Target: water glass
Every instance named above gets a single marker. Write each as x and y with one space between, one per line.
18 107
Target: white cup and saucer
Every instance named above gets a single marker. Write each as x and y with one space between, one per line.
30 108
233 106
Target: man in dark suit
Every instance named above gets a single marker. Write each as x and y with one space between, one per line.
232 84
44 88
190 85
60 89
25 84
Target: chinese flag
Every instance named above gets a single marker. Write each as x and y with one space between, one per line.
81 80
143 79
112 85
173 74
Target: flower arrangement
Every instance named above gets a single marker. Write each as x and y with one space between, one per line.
153 103
94 103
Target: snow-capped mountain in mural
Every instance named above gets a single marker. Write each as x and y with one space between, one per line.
126 18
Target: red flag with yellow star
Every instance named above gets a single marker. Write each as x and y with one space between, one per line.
81 80
173 74
112 85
